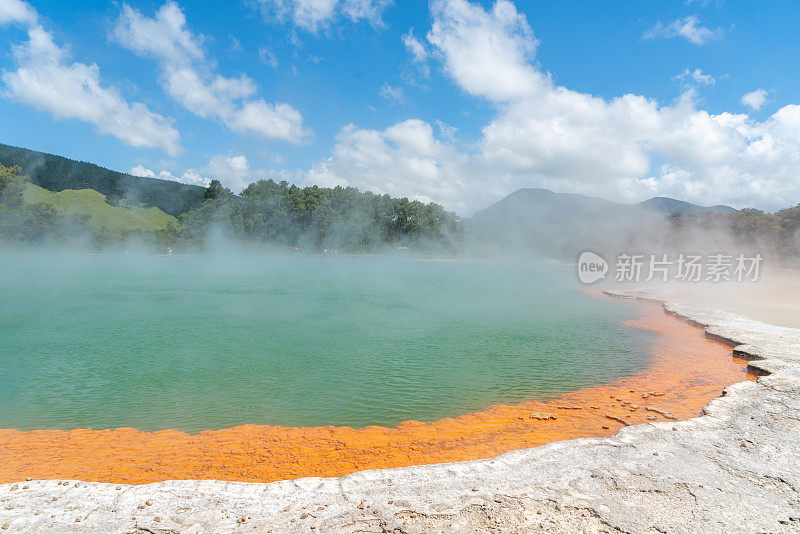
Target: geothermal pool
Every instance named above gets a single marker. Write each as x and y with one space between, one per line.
213 341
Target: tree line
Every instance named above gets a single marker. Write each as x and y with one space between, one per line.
267 212
773 234
320 218
345 219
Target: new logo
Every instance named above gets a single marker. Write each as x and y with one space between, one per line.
591 267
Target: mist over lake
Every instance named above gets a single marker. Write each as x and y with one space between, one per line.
212 341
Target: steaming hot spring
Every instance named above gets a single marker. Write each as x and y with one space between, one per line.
208 342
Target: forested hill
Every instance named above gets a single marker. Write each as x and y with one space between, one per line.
56 173
320 218
273 214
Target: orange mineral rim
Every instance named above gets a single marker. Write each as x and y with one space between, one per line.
686 371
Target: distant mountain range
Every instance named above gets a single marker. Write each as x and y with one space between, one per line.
670 205
560 224
527 198
56 173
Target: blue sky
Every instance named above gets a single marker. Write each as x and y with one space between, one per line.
450 101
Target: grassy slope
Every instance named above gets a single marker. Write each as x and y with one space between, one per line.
90 203
56 173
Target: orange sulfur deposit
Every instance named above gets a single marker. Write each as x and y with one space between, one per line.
686 372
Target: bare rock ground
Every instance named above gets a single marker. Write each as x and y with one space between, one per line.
735 469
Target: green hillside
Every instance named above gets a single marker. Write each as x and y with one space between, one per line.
56 173
92 207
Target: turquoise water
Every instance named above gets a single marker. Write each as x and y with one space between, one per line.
204 342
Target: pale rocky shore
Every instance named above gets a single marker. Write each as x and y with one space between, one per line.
735 469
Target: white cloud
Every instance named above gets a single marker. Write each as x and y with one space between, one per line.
308 14
446 131
140 170
394 95
485 52
233 171
313 15
188 76
47 80
280 121
419 57
543 135
370 10
696 76
691 81
755 99
687 27
415 47
12 11
268 56
190 176
402 160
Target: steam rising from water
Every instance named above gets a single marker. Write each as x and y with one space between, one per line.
216 340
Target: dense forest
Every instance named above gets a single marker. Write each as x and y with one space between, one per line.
319 218
277 214
772 234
